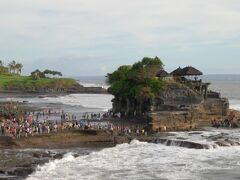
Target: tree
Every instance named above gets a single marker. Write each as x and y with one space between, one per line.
37 74
3 69
53 73
135 86
18 68
1 63
12 67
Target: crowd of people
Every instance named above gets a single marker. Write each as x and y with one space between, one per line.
36 123
30 125
229 122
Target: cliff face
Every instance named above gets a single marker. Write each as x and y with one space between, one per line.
174 95
181 108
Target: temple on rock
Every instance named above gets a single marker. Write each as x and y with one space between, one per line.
179 100
188 76
185 101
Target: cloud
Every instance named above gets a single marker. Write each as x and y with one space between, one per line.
128 29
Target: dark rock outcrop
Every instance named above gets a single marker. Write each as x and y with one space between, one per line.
179 143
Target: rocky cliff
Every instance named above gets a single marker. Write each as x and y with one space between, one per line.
181 108
177 107
174 96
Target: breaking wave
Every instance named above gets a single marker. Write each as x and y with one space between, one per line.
139 160
99 101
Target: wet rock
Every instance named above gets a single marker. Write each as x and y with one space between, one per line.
41 155
21 171
235 125
186 144
232 142
36 155
181 138
5 177
195 133
58 156
2 172
222 144
76 155
218 136
121 139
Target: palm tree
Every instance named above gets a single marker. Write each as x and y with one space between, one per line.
14 66
1 66
10 66
1 63
19 67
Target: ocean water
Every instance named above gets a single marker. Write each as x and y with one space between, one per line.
228 86
94 101
99 81
72 103
141 161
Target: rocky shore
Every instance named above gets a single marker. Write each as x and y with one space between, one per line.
20 157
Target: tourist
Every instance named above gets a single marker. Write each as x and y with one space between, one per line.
2 129
145 133
137 132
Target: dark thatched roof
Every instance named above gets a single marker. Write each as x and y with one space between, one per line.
190 71
162 73
187 71
177 72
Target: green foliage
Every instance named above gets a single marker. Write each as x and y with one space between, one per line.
53 73
12 68
137 81
26 83
37 74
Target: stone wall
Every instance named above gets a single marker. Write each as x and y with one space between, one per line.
175 93
172 121
216 106
191 117
181 108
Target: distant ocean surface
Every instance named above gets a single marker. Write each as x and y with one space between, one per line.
146 161
92 81
228 86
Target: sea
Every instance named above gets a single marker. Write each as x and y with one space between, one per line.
147 161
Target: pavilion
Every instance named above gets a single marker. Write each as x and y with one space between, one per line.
162 74
180 75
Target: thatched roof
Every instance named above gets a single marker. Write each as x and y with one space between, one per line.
187 71
190 71
162 73
177 72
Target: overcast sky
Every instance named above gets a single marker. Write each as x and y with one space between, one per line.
93 37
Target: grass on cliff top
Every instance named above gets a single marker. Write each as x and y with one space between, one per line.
14 82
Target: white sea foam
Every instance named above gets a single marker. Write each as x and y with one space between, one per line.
139 160
99 101
96 101
84 84
234 104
